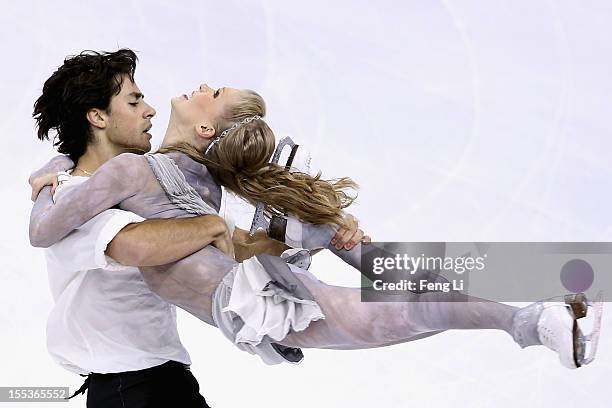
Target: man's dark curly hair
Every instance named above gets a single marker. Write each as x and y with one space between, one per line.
85 81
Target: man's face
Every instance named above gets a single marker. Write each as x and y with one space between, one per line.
129 120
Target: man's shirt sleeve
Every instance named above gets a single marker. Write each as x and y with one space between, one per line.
84 248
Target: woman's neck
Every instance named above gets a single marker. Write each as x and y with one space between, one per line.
174 135
177 134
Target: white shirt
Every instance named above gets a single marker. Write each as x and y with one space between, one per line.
105 318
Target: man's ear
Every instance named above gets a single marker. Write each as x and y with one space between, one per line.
205 131
97 118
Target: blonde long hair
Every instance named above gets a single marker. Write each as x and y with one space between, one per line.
240 163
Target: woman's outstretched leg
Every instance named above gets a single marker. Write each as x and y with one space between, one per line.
351 324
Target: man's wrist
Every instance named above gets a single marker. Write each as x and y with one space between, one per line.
213 224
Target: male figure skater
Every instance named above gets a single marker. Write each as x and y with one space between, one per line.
106 322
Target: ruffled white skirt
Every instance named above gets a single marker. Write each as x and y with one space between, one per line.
253 310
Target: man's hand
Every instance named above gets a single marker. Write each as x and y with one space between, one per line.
247 246
42 181
347 238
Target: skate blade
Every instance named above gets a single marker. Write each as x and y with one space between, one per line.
585 346
259 219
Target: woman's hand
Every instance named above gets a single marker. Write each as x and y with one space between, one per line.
347 238
42 181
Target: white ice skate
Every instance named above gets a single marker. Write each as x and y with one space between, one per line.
554 323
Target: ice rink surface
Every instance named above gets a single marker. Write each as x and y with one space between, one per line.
460 120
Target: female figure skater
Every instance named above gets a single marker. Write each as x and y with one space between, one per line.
264 305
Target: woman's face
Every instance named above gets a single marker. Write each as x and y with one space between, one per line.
205 105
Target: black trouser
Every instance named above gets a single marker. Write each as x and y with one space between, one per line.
168 385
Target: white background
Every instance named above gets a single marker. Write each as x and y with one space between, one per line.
461 121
